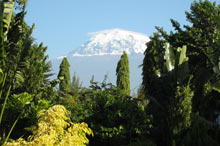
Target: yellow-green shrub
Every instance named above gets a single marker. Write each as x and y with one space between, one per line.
55 128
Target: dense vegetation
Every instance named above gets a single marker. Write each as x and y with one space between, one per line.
176 105
123 74
184 92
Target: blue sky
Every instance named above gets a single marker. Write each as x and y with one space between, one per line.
64 25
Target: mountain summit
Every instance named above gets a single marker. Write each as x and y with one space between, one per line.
101 53
112 42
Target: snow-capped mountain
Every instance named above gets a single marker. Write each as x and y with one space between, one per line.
112 42
100 54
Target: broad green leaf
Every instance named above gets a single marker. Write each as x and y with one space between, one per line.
1 76
169 57
7 14
183 57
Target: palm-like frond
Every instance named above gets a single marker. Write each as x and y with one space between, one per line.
19 79
7 11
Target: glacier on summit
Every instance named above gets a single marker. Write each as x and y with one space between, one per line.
112 42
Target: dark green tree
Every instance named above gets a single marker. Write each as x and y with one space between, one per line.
170 96
64 76
198 134
76 85
123 74
24 61
153 61
26 66
202 41
116 119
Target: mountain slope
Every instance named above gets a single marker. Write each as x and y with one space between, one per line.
101 52
112 42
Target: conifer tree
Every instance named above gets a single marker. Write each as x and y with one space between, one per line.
64 76
76 85
123 74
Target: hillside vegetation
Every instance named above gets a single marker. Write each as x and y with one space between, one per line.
177 103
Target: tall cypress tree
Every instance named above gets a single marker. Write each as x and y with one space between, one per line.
75 85
64 76
123 74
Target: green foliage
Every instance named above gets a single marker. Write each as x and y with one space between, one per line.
17 108
198 134
6 10
64 76
24 61
169 57
202 40
2 50
181 110
178 81
8 7
6 13
55 128
2 83
153 61
18 102
123 74
26 65
170 96
76 86
178 64
195 79
116 119
1 76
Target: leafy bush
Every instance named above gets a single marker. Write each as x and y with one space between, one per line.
55 128
115 118
142 142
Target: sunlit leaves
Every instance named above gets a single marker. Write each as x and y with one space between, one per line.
8 7
55 128
1 75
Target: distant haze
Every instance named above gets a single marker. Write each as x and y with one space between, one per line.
99 55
